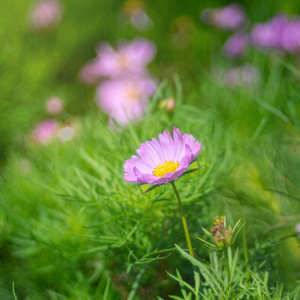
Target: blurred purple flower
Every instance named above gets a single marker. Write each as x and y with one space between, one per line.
129 59
290 37
269 34
45 14
297 227
230 17
44 132
163 160
236 45
125 100
54 105
90 73
279 33
264 35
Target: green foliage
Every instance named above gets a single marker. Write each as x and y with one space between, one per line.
72 228
212 286
71 223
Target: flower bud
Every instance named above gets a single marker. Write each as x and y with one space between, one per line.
167 104
221 235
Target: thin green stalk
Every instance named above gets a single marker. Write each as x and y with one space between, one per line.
227 265
13 290
246 254
186 231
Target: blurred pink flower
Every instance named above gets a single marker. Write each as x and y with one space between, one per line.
297 227
125 100
129 59
290 37
54 105
44 132
269 34
45 14
90 73
264 35
230 17
236 45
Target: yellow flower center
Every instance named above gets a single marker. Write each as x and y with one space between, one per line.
133 93
219 220
167 166
122 60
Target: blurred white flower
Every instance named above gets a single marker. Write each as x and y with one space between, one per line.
135 11
54 105
24 166
66 133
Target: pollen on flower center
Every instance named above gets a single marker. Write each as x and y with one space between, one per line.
219 221
167 166
133 93
122 61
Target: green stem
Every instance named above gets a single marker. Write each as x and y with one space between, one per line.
227 264
186 231
246 254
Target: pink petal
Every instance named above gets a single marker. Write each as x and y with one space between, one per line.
130 178
157 157
177 135
137 162
167 145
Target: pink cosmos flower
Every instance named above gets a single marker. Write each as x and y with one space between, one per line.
229 17
236 45
46 14
125 100
128 59
163 160
45 131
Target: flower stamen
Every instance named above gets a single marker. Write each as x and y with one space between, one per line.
167 166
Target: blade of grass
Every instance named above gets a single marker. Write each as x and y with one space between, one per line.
106 289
